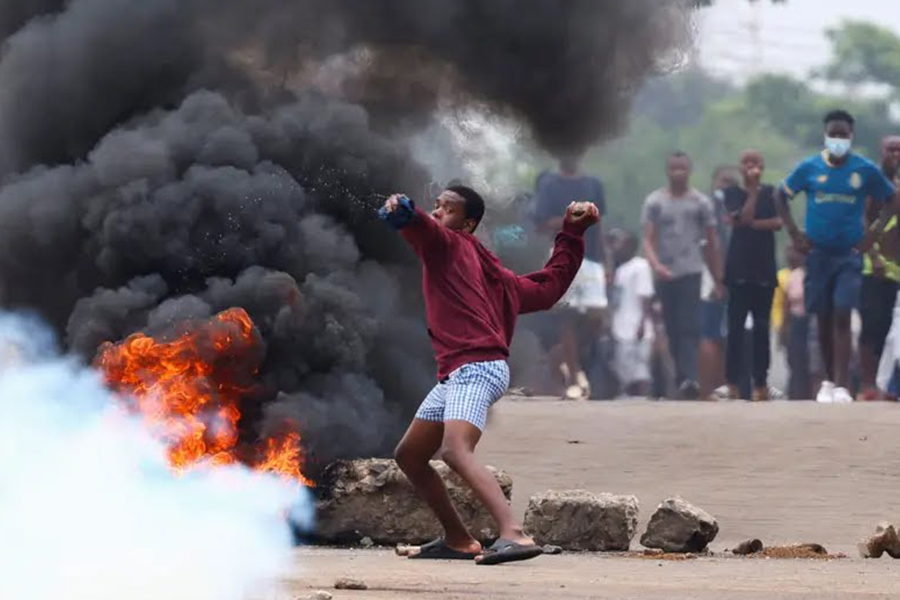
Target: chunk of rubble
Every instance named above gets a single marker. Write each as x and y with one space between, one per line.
348 583
885 540
678 526
748 547
371 498
580 520
797 551
656 554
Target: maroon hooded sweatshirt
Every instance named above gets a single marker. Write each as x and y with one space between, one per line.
472 300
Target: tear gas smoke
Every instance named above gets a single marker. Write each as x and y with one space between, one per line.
89 508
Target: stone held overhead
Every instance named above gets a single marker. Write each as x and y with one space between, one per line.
581 520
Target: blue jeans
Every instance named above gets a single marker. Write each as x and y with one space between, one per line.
833 281
712 320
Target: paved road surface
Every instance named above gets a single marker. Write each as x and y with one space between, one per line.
783 472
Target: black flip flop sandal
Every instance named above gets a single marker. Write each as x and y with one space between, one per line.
504 551
439 550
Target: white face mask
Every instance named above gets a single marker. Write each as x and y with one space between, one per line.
838 147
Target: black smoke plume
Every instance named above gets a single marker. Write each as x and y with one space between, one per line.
164 160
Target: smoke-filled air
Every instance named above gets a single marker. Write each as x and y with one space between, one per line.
166 161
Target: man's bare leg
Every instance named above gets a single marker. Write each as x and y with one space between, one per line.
568 340
418 446
841 351
458 451
711 366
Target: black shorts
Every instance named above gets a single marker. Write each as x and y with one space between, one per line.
876 311
548 324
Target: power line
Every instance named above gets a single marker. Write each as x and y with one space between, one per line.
771 44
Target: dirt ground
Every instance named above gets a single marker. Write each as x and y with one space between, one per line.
782 472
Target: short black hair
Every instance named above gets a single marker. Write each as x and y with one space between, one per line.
474 201
630 240
839 115
680 154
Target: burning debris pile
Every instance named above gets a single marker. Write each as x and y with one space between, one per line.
189 391
165 161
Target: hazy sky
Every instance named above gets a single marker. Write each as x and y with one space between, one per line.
738 38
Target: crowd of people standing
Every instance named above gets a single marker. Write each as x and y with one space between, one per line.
693 305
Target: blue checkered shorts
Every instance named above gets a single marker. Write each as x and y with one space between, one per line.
467 394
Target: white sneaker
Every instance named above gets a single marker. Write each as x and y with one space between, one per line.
574 392
724 392
826 393
842 396
775 393
580 389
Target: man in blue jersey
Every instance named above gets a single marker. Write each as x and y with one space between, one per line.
837 183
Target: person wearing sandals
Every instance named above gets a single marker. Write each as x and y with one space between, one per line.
471 303
750 274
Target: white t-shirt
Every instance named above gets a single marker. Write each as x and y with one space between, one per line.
707 285
634 284
588 289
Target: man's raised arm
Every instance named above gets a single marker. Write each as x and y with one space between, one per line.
542 289
417 227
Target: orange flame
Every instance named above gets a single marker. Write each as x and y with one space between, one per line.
285 458
188 390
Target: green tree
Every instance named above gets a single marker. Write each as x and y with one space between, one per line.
795 110
714 120
681 100
864 53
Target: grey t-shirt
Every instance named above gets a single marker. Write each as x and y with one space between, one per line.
680 228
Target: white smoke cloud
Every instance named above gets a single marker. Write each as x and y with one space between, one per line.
484 150
90 510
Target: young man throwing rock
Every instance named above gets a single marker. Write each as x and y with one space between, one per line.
471 304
